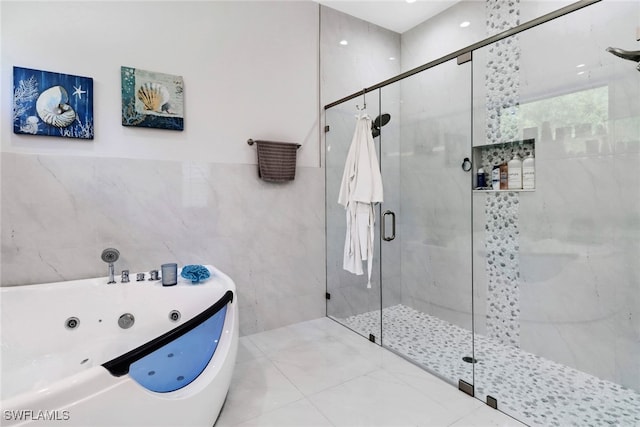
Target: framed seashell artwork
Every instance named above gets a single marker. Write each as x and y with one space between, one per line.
151 99
52 104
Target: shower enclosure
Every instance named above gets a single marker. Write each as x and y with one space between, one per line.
528 299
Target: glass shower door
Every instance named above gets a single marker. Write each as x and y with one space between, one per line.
557 292
426 268
349 301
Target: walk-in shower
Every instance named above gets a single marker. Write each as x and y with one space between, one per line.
529 299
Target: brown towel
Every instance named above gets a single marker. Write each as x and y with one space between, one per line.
276 161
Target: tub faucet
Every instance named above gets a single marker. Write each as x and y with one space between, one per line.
110 255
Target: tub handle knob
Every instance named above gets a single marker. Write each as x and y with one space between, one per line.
125 276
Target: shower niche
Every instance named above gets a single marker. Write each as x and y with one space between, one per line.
490 156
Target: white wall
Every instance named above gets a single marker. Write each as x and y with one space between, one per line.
250 71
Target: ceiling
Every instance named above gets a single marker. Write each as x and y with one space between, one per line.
394 15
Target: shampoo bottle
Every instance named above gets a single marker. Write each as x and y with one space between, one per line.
481 179
503 177
495 177
529 173
515 173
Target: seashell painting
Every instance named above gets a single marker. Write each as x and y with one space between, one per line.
154 96
152 99
53 107
52 104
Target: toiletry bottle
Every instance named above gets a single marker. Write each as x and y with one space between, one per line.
482 181
515 173
529 173
504 177
495 177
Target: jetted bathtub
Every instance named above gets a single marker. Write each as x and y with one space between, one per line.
86 353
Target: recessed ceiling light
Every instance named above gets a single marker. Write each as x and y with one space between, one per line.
579 65
392 58
580 73
465 24
344 42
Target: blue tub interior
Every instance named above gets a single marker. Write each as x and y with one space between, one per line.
178 363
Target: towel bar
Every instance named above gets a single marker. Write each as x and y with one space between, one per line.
251 142
276 160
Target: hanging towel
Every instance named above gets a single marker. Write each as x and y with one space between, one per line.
361 187
276 161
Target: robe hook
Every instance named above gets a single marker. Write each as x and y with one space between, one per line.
364 101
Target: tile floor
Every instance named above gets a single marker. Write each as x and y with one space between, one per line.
319 373
535 390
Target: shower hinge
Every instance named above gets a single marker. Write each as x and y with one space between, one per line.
465 57
326 129
492 401
465 387
327 295
372 338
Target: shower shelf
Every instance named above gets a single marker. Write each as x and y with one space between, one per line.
488 155
528 190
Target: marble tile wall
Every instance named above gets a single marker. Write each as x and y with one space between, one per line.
371 55
430 196
435 192
576 281
250 71
363 62
349 292
441 34
577 284
576 238
60 212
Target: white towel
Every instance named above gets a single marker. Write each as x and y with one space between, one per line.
361 187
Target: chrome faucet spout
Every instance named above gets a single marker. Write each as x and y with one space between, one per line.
111 274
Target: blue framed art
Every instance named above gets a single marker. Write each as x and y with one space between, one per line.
52 104
151 99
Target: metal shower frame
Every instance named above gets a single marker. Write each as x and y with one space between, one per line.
464 54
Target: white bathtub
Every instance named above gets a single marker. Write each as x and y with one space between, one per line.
56 375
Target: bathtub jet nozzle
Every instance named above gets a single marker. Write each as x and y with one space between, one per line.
110 255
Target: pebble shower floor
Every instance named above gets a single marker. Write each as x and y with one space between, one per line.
534 390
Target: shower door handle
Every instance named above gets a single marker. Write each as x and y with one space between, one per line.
393 226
